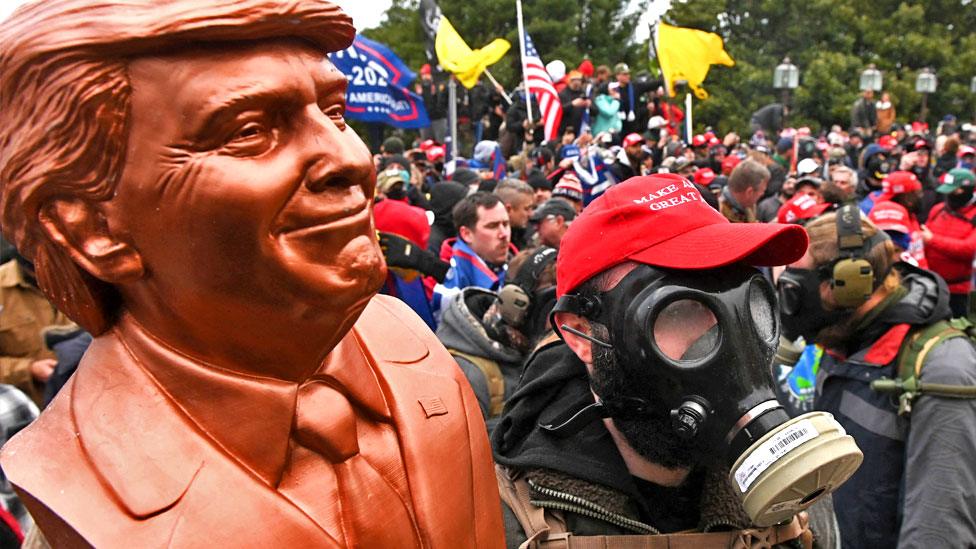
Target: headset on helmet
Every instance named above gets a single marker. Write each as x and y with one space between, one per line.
851 275
517 297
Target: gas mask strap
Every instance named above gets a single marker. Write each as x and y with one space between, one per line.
587 337
578 305
576 422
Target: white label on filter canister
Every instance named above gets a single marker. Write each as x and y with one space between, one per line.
771 450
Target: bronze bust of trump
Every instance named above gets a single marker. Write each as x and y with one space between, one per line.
181 174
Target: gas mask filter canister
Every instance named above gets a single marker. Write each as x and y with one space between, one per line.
700 345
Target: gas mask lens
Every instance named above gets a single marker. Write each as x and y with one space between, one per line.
790 294
686 330
761 309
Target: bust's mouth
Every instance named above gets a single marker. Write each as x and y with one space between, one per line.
313 223
333 208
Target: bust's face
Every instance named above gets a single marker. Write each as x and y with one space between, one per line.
244 190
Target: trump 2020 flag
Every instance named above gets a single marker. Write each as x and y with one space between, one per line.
378 83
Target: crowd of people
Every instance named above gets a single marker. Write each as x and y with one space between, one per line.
472 242
495 233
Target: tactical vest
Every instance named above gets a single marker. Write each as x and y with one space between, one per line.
879 421
546 529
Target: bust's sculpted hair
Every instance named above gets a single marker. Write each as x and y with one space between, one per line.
64 107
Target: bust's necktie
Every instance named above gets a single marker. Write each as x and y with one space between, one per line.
373 513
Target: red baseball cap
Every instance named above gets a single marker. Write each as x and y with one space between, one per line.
704 176
964 150
887 142
919 127
896 183
801 207
435 153
889 216
920 144
699 141
729 164
400 218
662 220
632 139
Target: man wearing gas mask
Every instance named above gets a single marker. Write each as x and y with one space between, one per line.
875 166
879 319
489 334
656 412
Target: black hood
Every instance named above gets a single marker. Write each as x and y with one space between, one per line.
443 197
554 385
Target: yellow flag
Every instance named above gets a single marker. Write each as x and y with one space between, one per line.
687 54
456 57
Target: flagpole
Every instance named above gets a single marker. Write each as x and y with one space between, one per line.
688 119
452 113
497 85
664 78
525 78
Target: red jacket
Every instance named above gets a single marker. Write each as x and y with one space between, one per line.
953 245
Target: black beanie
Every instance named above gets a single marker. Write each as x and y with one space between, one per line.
465 176
444 195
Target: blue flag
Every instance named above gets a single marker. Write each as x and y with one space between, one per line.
378 83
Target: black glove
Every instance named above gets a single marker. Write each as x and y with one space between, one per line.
400 252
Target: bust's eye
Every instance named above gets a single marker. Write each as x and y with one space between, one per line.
336 112
250 138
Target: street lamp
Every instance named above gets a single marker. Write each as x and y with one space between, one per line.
871 79
786 77
925 83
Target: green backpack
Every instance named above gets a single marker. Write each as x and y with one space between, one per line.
911 356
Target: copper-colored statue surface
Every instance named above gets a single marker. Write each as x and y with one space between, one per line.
182 177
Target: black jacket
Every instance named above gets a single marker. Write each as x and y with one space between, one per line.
573 116
587 465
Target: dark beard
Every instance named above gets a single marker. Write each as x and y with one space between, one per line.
651 435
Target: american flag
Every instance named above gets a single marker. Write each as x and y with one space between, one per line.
539 83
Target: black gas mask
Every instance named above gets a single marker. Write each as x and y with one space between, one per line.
801 309
521 303
850 277
692 350
877 167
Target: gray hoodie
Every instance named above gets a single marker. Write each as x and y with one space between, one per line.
461 329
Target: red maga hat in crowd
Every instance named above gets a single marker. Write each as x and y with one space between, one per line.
662 220
889 216
704 176
800 208
887 142
896 183
729 164
632 139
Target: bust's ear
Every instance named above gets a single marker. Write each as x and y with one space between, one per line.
579 345
79 227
